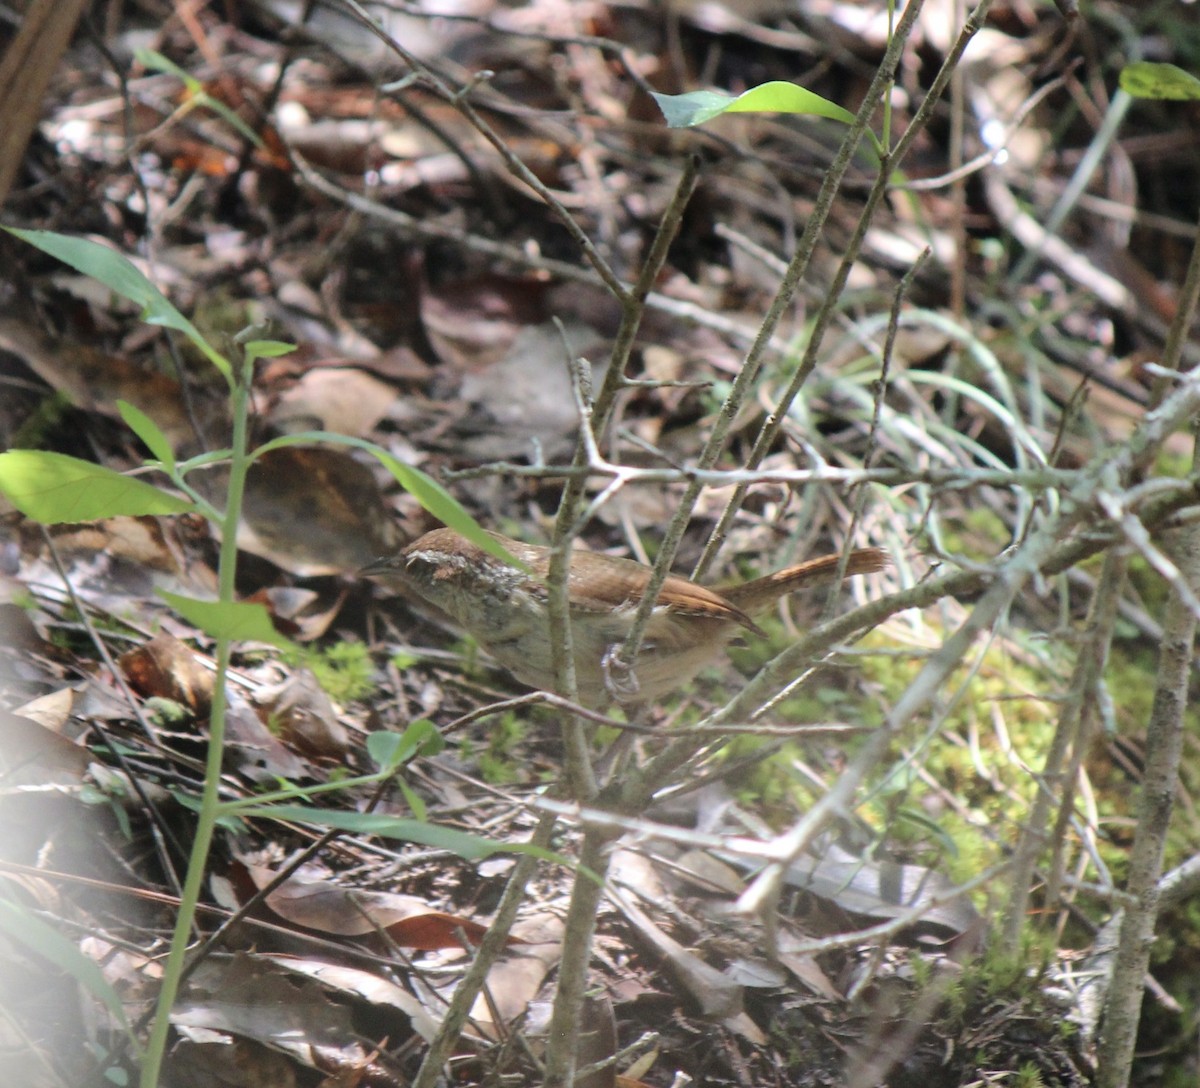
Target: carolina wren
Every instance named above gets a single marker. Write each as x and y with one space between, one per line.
505 608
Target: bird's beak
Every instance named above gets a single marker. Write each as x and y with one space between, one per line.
383 565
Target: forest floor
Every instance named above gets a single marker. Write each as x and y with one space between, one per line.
443 213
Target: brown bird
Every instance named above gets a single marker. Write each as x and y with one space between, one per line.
504 608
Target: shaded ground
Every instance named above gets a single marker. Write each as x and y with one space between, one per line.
407 233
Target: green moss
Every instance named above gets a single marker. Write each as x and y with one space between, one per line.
979 534
167 713
222 314
36 431
344 670
1175 463
997 977
953 797
1028 1076
607 735
957 796
499 763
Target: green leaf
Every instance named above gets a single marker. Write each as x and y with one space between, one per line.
391 749
54 488
233 620
147 430
471 847
444 506
153 61
27 928
415 801
267 349
777 96
1143 79
230 118
119 274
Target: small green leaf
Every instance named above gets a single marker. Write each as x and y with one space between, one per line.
147 430
415 801
386 749
118 273
233 620
443 506
153 61
1144 79
471 847
53 488
267 349
777 96
391 749
693 108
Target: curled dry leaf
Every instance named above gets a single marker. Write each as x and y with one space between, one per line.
254 751
305 717
517 977
136 555
252 997
300 614
166 668
95 381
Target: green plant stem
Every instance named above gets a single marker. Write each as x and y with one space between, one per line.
206 821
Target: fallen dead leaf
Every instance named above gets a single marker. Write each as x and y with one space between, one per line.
341 400
166 668
355 912
32 755
315 511
305 717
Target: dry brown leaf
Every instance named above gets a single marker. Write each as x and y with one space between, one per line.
472 324
342 400
517 978
364 985
305 717
167 668
32 755
300 614
251 997
707 989
883 889
355 912
253 750
526 396
95 381
314 511
139 554
206 1059
52 710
